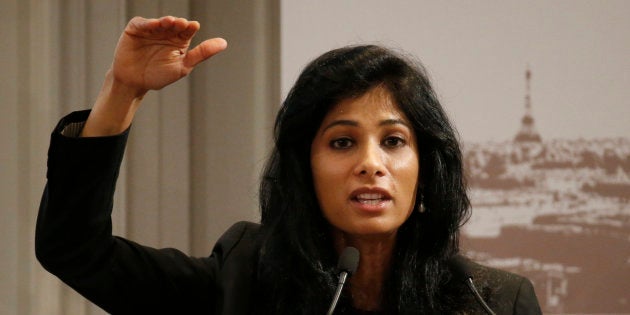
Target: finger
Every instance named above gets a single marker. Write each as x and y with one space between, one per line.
204 51
141 25
164 26
179 24
189 32
166 22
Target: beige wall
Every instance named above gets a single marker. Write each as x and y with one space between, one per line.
195 150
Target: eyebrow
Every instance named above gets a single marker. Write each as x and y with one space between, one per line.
345 122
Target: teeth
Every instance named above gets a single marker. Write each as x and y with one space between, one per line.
371 202
371 199
370 196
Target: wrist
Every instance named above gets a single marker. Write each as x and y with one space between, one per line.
121 92
114 108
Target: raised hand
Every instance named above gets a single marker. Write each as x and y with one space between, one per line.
153 53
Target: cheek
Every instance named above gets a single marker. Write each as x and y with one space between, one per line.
327 168
407 170
329 176
323 174
407 163
327 181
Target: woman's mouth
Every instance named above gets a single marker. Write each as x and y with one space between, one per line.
370 199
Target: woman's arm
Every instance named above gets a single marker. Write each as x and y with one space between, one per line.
74 234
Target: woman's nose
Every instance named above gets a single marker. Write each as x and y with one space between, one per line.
370 161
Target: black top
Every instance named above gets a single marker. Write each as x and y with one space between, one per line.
74 241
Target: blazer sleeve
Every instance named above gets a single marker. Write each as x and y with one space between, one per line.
74 237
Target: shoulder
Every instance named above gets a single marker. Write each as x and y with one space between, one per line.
505 292
489 276
238 231
236 253
242 238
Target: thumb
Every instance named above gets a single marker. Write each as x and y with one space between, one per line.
205 50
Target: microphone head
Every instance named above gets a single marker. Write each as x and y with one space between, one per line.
348 260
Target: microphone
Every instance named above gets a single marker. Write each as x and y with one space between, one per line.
347 265
460 271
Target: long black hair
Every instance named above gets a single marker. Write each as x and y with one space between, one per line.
296 268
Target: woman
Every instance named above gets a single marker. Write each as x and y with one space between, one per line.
364 156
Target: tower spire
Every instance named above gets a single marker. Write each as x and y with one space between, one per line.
528 101
528 132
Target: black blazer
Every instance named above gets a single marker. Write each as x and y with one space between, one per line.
74 241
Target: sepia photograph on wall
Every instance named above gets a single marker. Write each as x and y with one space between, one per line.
555 210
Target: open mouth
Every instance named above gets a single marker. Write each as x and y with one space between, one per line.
371 199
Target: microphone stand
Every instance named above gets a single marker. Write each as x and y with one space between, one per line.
342 280
475 292
347 265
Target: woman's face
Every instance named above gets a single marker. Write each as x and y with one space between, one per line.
365 165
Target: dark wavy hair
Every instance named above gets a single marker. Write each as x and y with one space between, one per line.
297 261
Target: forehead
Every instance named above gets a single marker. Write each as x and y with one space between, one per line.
377 103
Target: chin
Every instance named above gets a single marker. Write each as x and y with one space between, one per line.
372 229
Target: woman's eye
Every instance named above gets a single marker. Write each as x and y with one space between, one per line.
342 143
393 142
